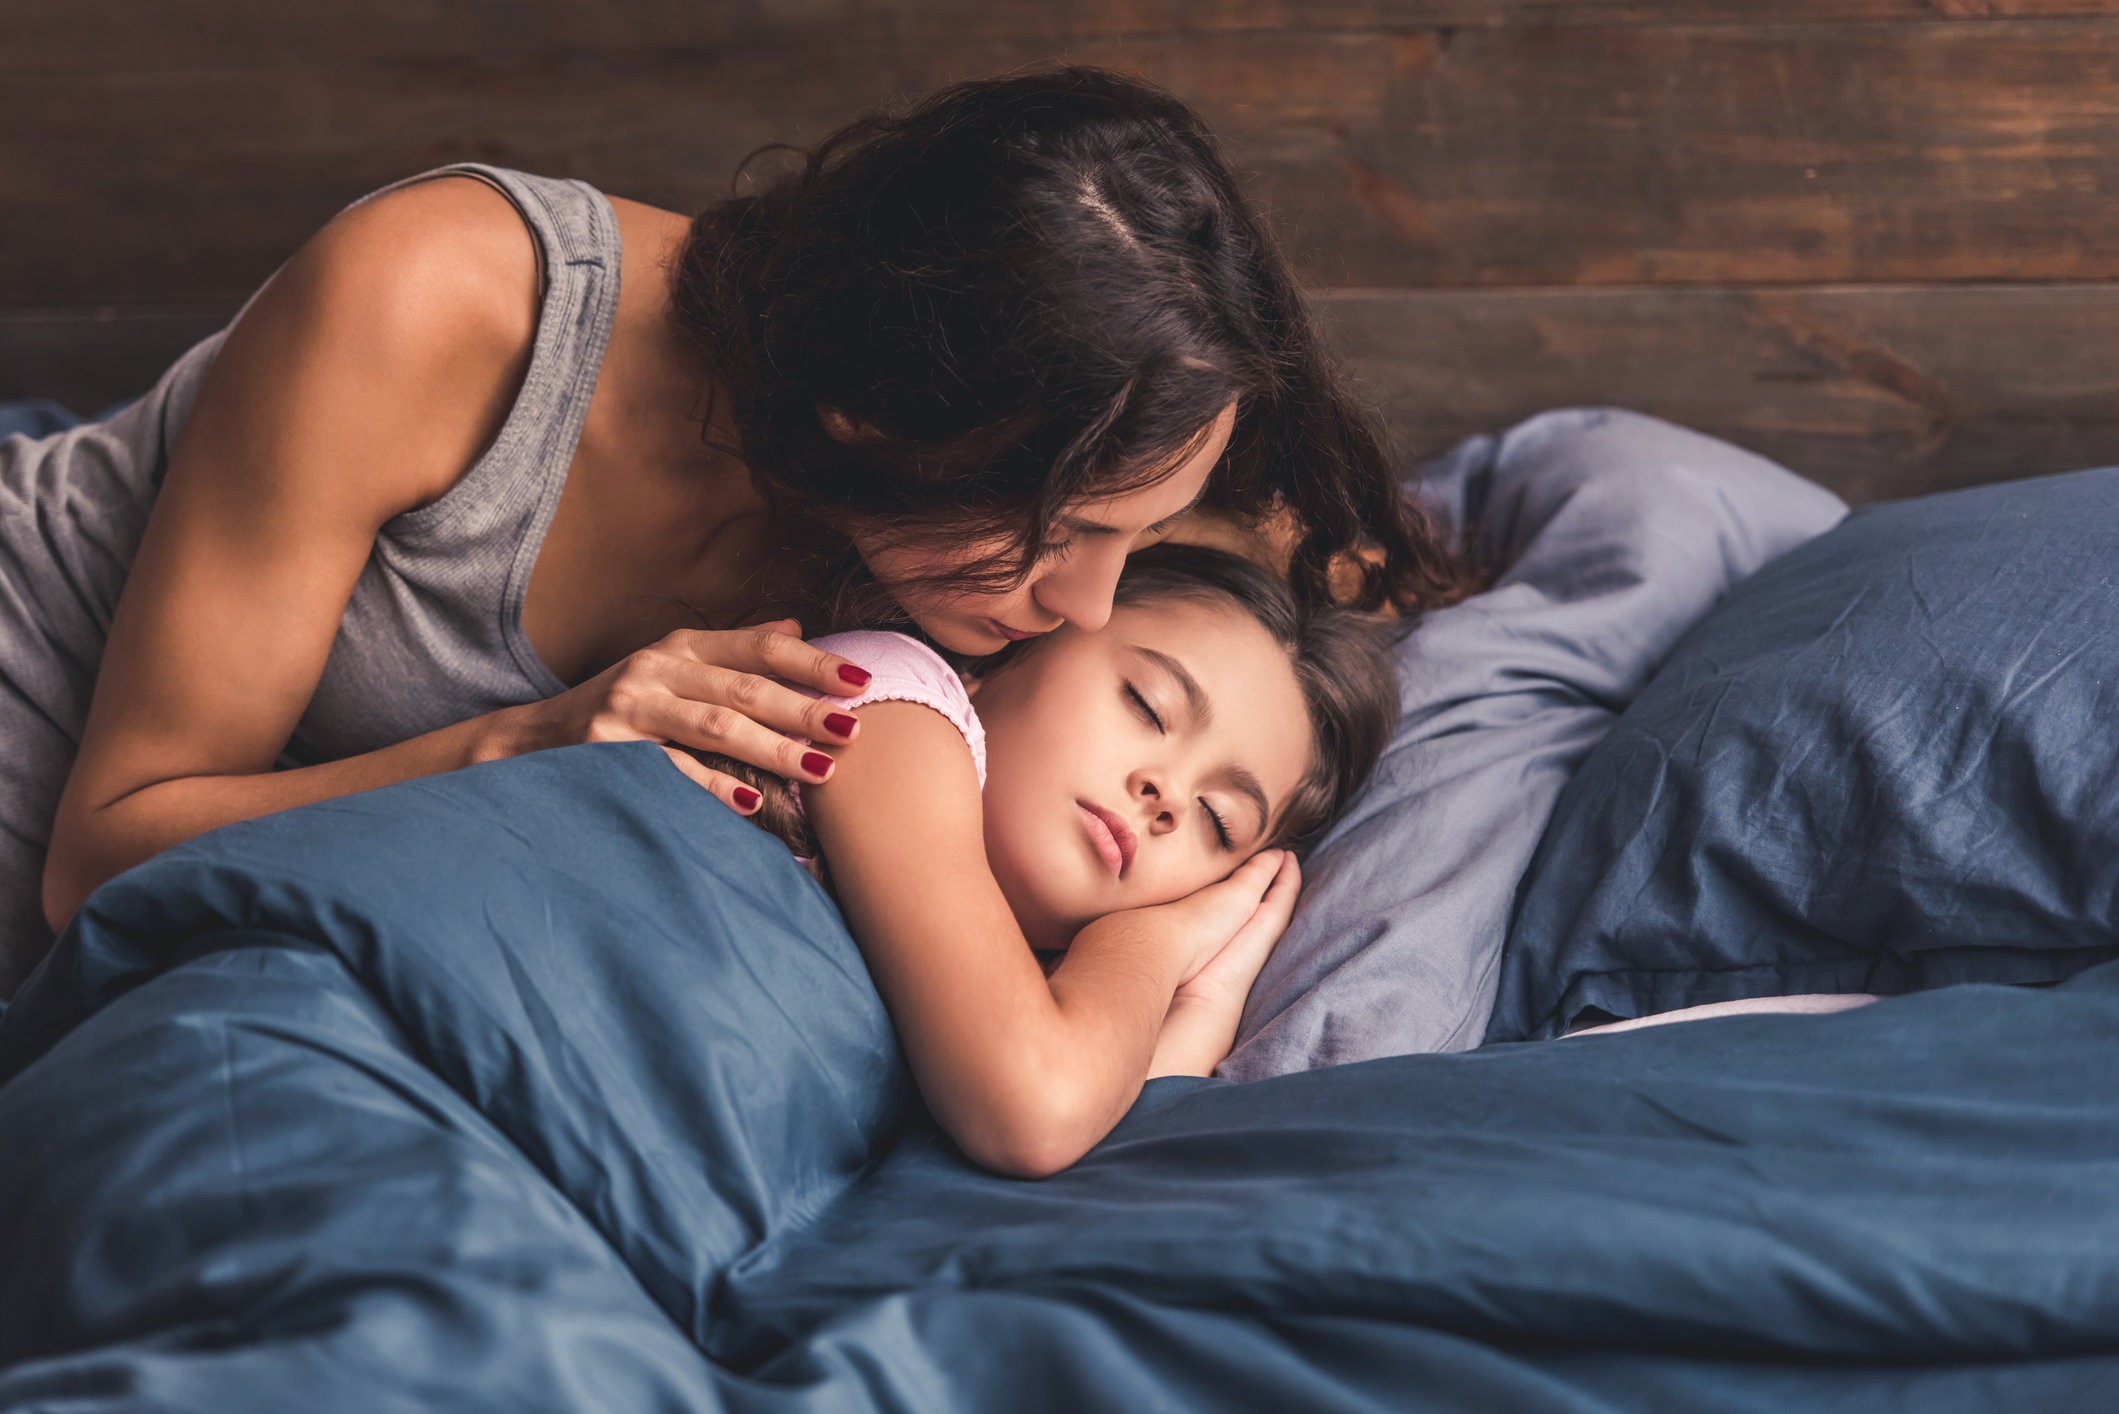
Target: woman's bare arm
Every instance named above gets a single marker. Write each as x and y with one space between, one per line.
1025 1072
361 383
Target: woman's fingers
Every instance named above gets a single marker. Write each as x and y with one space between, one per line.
777 649
730 728
666 696
736 795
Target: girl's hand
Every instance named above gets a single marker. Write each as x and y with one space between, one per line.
1201 1024
709 691
1226 977
1246 912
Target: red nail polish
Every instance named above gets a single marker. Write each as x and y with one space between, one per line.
840 722
747 799
850 674
815 762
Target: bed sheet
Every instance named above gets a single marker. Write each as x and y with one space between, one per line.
555 1087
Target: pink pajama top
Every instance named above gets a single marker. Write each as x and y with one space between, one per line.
903 670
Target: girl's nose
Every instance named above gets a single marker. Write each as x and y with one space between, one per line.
1162 817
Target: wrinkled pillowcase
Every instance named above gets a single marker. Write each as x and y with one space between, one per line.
1885 763
1613 533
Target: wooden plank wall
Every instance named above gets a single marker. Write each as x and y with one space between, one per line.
1872 238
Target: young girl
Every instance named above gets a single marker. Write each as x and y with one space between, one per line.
1138 782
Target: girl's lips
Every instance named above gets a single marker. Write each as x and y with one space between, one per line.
1111 836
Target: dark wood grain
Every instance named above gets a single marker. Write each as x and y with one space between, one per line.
1397 147
73 36
1876 392
1870 152
89 359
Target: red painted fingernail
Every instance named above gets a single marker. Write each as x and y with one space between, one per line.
747 799
840 722
857 676
815 762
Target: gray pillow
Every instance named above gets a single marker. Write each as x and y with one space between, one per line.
1616 532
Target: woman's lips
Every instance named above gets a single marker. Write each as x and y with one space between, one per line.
1111 836
1014 635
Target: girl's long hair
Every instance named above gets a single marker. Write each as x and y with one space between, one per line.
1017 295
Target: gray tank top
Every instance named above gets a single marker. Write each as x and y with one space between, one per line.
433 632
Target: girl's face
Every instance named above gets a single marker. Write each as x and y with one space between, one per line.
1073 582
1137 763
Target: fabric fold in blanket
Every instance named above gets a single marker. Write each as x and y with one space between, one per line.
550 1085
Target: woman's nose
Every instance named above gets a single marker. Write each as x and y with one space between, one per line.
1079 589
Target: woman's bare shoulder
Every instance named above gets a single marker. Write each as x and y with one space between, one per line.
444 264
412 316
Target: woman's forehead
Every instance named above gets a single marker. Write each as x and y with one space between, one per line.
1166 497
1141 509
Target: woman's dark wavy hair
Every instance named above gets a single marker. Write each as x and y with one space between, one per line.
1340 658
1023 293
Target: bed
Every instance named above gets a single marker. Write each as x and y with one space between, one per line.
548 1084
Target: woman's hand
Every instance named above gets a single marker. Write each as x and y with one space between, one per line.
1208 1005
708 691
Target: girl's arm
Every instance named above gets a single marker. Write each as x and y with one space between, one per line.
360 384
1025 1072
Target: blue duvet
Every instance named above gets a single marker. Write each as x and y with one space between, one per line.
548 1085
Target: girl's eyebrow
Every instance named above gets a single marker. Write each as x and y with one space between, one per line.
1243 782
1195 695
1246 785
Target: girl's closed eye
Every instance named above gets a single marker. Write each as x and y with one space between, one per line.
1142 705
1215 821
1221 826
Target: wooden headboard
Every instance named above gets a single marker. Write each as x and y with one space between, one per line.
1874 239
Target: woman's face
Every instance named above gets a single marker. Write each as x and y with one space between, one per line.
1073 580
1136 763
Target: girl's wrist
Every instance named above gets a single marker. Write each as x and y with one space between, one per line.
1147 934
1196 1035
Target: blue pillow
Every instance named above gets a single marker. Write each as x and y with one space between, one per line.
1887 762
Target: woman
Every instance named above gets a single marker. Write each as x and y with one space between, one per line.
494 464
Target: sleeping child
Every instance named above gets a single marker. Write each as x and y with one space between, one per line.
1118 798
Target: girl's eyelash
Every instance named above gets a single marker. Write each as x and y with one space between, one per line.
1056 549
1221 828
1146 711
